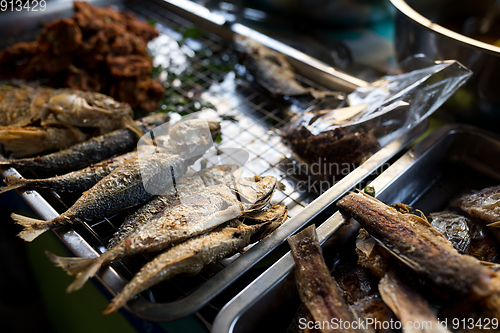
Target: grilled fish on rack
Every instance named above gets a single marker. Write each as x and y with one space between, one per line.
196 214
187 185
88 152
76 181
416 243
272 70
194 254
319 293
34 120
123 188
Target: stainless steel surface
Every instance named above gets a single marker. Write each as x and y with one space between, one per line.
426 177
418 34
258 119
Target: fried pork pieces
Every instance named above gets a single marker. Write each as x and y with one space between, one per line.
97 49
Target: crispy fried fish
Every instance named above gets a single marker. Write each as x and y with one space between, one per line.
194 254
419 246
196 214
319 293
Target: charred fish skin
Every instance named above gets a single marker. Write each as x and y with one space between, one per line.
89 152
427 252
319 293
121 189
190 257
196 214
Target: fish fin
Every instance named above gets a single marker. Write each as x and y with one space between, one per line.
31 227
13 183
307 232
129 123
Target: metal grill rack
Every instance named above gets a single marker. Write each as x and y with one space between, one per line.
251 120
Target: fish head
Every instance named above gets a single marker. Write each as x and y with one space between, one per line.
254 192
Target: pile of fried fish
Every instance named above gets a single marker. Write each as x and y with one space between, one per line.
438 272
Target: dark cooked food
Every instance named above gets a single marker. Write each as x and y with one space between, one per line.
420 246
319 293
97 49
335 152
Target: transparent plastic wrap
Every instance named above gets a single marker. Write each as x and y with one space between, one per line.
334 142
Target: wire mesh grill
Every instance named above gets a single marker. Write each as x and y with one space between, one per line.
201 72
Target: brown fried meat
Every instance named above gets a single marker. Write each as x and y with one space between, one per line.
97 49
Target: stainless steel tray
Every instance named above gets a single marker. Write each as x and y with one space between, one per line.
426 177
254 131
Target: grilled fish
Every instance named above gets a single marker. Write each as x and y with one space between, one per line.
76 181
319 293
194 254
188 257
419 246
272 70
186 186
484 204
121 189
196 214
33 120
88 152
409 306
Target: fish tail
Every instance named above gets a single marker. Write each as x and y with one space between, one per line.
13 183
84 268
5 161
129 123
32 227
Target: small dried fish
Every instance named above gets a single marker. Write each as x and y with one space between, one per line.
88 152
33 120
484 204
319 293
188 257
419 246
196 214
411 308
121 189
